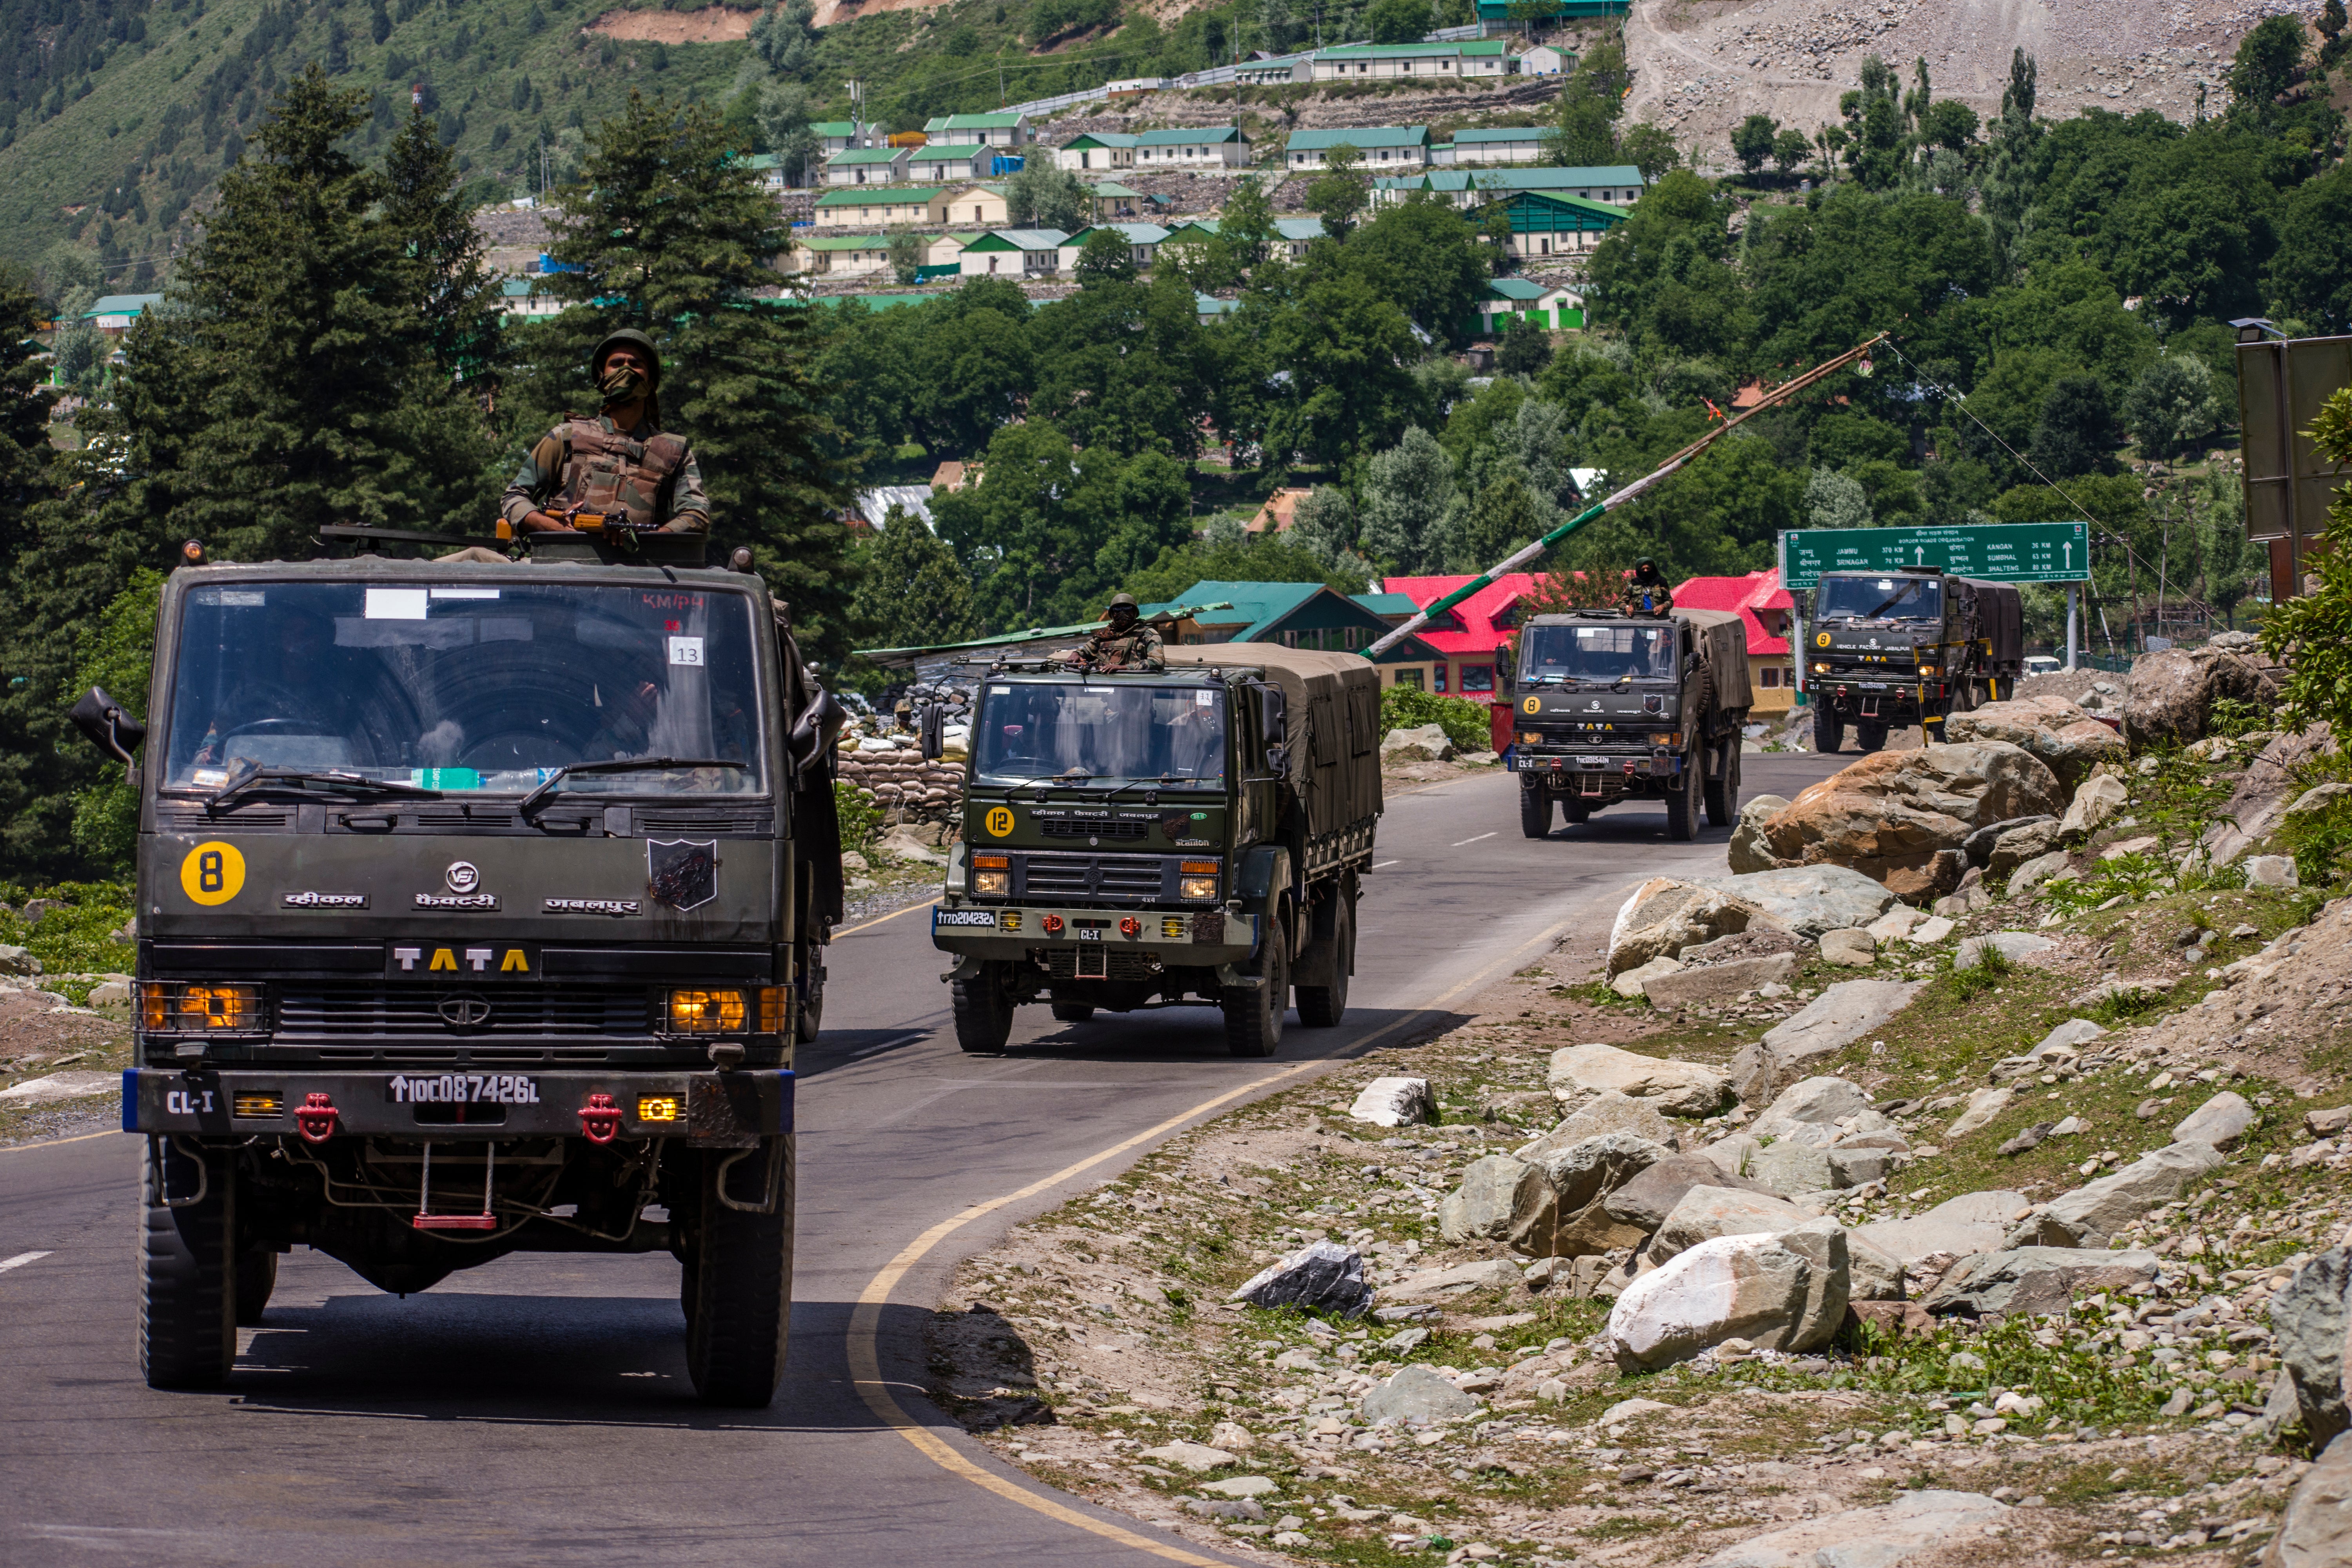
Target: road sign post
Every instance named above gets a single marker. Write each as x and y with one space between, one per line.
1990 552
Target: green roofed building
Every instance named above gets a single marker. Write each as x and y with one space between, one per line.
1618 184
1294 615
1553 308
867 166
1008 130
1384 148
1379 62
1094 150
1545 223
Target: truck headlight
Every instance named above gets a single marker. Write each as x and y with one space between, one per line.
1529 738
1197 878
706 1012
199 1007
992 874
1820 669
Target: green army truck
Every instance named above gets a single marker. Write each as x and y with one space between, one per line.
480 909
1614 706
1161 838
1892 650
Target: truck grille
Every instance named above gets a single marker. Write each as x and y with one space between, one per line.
1102 962
308 1012
1118 878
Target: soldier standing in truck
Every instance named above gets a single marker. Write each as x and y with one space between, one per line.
1128 641
620 465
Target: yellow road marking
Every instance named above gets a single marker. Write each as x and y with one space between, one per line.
54 1143
864 1321
877 919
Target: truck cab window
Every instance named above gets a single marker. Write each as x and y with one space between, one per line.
1606 654
1879 599
1051 729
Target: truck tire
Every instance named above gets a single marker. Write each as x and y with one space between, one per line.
1074 1012
811 1010
187 1288
984 1011
1829 731
1535 812
1723 790
1574 812
742 1277
1683 807
1322 1006
1870 738
1254 1017
257 1277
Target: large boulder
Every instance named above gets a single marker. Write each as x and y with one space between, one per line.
2029 840
1902 818
2267 793
1784 1293
1610 1112
1749 851
1394 1102
1717 982
2173 691
2316 1530
1817 1102
2308 1318
1915 1524
1415 1395
1321 1275
1807 901
1584 1176
1836 1018
2094 1214
1643 1203
1501 1199
2064 736
1957 1227
1676 1088
1666 914
1793 1170
2034 1281
1423 743
2222 1121
1705 1213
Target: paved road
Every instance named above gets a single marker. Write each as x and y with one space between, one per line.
538 1409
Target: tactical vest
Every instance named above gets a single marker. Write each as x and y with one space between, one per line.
616 475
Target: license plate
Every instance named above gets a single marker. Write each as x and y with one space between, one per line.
462 1088
962 918
1088 933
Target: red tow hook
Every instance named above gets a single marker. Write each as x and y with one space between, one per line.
316 1118
600 1118
1129 926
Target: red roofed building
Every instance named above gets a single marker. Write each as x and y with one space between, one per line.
1766 606
1473 635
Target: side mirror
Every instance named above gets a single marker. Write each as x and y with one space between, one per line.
1273 713
1277 760
933 726
110 728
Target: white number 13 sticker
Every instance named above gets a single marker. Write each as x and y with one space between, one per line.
685 650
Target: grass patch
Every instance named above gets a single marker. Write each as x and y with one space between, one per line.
77 938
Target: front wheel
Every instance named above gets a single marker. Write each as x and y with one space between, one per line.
187 1276
1253 1017
812 1013
1322 1006
984 1011
1829 733
741 1281
1535 812
1683 806
1723 789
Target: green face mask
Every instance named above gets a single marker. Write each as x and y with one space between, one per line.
622 384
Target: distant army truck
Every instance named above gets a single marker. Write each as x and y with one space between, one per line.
480 907
1892 650
1610 707
1156 838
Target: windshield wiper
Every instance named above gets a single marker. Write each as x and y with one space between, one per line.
617 765
252 778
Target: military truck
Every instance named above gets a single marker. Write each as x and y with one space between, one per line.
480 909
1892 650
1164 838
1611 706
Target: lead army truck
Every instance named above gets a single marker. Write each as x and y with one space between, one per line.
480 909
1611 706
1147 838
1891 649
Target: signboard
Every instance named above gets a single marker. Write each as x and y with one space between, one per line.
1991 552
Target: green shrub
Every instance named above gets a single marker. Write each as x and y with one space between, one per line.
860 818
1408 707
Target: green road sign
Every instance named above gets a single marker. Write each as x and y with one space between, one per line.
1994 552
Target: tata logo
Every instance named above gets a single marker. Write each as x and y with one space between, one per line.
463 1010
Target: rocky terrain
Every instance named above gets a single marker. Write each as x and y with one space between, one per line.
1961 1174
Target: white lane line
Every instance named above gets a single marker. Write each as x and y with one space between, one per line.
20 1260
1383 865
1457 843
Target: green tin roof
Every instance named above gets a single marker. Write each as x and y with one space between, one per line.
1212 135
864 156
1488 50
880 195
1362 136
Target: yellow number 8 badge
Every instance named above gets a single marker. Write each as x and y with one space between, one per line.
213 873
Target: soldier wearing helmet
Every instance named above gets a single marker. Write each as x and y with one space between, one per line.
1128 640
620 468
1646 590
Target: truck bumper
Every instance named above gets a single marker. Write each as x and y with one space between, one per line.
719 1109
1177 939
1597 774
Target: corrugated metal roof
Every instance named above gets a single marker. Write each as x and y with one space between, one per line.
1098 139
1207 135
866 155
1755 592
880 195
1135 232
1623 176
1488 51
873 505
1361 136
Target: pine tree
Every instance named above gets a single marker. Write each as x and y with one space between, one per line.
298 383
914 593
672 234
459 295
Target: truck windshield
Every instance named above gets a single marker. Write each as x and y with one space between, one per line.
459 686
1627 650
1879 599
1047 729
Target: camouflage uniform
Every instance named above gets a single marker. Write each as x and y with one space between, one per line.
593 465
1110 648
